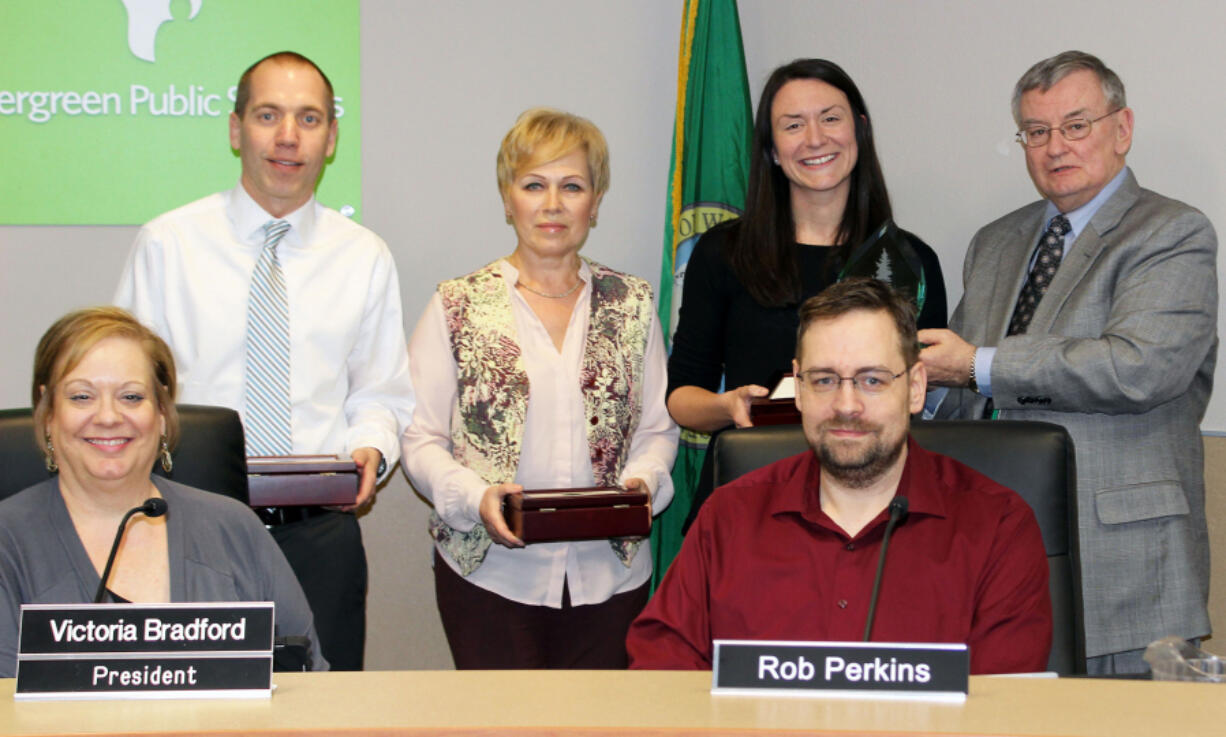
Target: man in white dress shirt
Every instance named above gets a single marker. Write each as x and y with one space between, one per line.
346 388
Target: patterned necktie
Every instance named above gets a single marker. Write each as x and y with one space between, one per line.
1051 250
267 423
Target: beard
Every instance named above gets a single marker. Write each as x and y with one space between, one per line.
857 467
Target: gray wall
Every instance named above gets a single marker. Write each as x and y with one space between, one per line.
442 81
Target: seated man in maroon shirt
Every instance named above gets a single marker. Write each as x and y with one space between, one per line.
789 552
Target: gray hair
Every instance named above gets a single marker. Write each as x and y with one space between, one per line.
1045 74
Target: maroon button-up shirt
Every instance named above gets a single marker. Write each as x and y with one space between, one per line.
762 561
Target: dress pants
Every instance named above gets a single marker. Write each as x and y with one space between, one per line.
326 554
487 631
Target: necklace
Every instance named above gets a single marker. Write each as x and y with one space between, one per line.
539 293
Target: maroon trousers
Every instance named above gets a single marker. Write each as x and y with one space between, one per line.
486 631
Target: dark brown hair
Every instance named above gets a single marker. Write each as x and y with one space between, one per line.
762 254
862 293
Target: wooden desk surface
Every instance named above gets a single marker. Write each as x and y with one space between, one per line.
645 704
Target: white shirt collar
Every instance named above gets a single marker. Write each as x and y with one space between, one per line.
248 219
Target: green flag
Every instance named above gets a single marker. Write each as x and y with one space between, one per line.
706 185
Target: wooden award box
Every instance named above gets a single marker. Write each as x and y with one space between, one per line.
778 408
552 515
289 481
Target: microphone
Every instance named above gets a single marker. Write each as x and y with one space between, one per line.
898 513
153 507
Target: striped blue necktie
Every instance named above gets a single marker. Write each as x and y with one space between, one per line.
267 422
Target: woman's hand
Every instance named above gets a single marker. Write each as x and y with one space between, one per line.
737 401
637 484
706 411
491 515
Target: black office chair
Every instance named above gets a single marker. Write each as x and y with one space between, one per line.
210 454
1035 459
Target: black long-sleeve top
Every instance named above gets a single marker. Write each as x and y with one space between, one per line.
723 331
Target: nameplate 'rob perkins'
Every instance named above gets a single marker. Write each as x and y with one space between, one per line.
938 671
82 651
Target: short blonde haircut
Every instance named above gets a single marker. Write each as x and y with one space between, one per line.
543 134
65 344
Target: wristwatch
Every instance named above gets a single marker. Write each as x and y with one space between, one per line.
971 383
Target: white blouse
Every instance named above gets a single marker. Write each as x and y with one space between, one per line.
554 452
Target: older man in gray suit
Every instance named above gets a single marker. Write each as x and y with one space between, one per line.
1096 308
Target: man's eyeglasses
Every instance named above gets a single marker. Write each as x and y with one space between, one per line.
1072 130
869 381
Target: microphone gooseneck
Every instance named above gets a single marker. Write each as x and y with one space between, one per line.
153 507
898 512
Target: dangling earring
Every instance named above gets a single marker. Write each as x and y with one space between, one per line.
168 463
509 220
49 458
591 221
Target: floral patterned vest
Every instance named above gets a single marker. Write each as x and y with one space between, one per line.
487 424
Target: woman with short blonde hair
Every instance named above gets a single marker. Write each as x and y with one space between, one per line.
542 370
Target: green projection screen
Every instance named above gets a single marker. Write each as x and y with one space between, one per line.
113 111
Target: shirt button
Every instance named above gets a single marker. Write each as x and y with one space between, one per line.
851 546
842 603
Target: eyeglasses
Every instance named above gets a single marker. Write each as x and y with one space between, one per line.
868 381
1072 130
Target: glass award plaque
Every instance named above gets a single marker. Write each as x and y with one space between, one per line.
887 255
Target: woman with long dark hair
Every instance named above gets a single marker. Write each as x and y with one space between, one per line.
816 200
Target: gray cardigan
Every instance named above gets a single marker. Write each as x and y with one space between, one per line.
219 551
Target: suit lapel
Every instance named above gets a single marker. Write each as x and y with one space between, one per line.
1010 274
1084 253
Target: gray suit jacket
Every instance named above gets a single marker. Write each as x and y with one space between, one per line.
1121 352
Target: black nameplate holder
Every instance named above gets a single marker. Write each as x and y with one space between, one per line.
126 651
920 671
